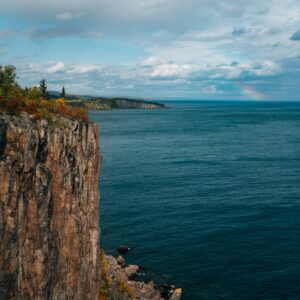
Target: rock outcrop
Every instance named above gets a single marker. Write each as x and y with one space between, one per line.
119 285
49 209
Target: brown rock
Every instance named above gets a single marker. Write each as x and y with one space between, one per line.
49 222
121 261
130 270
177 294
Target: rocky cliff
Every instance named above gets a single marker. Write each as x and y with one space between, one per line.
49 216
49 222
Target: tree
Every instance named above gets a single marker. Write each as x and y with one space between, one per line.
43 87
8 82
63 92
34 93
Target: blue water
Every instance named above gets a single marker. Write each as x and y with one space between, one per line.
208 194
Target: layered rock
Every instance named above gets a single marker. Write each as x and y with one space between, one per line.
49 222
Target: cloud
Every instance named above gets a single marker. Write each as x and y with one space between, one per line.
56 67
61 31
175 47
112 15
5 33
239 30
150 4
295 36
66 16
151 61
167 80
169 71
83 69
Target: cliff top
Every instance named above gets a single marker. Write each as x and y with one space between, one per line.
34 101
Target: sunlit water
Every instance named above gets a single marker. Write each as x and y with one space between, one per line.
208 194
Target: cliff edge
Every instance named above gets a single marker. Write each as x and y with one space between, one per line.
49 209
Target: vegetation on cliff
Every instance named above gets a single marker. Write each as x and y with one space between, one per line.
35 101
41 104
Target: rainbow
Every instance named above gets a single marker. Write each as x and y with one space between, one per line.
251 93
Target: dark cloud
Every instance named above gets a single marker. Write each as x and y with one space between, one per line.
263 11
134 15
5 33
234 64
63 31
239 30
295 36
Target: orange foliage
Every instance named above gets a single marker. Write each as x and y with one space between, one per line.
41 108
60 101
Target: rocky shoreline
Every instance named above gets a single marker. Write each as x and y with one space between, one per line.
120 276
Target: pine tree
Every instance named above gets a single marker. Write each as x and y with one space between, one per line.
43 87
63 92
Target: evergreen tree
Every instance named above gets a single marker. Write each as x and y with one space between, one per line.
63 92
43 87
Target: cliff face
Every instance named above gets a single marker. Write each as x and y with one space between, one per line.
49 222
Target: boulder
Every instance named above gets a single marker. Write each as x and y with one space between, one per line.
121 261
130 270
177 294
122 249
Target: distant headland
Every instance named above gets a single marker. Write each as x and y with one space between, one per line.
107 103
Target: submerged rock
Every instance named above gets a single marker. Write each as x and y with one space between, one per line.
122 249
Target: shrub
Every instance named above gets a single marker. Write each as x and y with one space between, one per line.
106 280
14 99
127 289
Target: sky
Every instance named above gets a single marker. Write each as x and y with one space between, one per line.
156 49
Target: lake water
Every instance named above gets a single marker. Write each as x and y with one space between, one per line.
208 194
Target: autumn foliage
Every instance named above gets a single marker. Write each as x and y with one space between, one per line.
14 99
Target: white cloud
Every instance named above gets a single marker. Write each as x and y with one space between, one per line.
55 67
82 69
64 16
151 61
170 71
167 80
